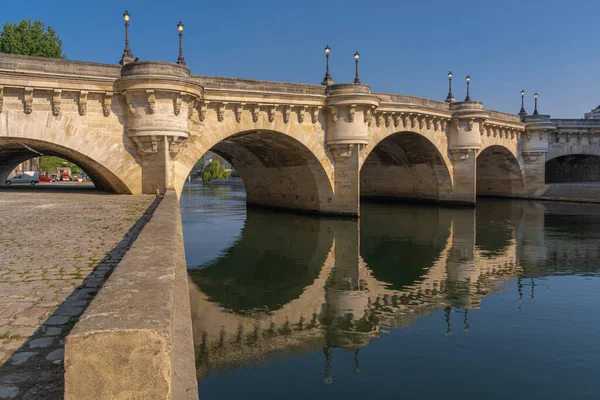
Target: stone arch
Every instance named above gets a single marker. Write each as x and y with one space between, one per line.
282 165
566 150
14 151
406 165
103 152
498 172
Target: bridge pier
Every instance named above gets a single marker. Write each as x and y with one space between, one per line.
534 150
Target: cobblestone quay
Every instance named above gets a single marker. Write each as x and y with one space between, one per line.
56 251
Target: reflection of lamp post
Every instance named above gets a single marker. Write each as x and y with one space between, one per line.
450 98
327 80
522 112
127 56
180 60
328 354
535 111
356 368
447 312
356 57
468 98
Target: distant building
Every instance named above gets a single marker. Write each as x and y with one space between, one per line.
594 114
29 165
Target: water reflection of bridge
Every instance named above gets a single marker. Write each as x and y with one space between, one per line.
294 284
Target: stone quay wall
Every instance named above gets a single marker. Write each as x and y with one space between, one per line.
135 340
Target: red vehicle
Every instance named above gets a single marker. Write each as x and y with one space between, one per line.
48 179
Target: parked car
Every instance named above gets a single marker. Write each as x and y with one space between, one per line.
46 179
65 176
30 177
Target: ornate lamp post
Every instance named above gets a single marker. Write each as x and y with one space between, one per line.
180 60
468 98
327 80
535 111
522 112
127 56
356 57
450 98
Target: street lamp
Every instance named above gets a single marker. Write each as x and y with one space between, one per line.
535 111
468 78
127 56
450 98
356 57
522 112
180 60
327 80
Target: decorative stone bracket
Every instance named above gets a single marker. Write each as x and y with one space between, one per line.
83 98
532 157
175 145
146 144
177 103
106 103
238 108
56 101
461 154
28 100
342 152
151 98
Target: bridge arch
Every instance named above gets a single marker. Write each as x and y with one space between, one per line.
281 165
104 152
498 172
407 165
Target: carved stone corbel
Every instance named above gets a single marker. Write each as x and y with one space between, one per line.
444 125
436 124
341 152
175 145
106 103
255 112
591 132
146 144
28 100
286 113
271 112
378 117
351 111
333 112
221 111
428 122
56 101
191 108
461 154
413 120
83 97
314 115
301 110
456 123
177 103
386 119
1 98
542 132
237 109
470 123
151 101
396 119
129 101
404 118
202 107
495 131
368 117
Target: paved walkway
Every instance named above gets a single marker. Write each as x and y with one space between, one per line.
56 251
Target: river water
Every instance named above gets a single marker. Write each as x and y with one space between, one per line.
412 301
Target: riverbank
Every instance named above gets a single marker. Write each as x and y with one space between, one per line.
581 192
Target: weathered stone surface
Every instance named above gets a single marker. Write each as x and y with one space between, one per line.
122 347
8 392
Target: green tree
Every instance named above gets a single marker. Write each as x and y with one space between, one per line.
52 163
30 38
214 170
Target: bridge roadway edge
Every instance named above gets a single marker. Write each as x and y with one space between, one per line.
135 339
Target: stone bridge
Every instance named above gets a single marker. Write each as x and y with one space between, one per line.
141 127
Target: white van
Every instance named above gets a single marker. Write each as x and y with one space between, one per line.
30 177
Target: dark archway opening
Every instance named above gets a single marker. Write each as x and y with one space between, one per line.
405 166
573 168
498 173
14 152
277 170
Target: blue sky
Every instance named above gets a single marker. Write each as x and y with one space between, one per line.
406 47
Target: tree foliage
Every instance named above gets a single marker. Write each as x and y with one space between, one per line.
214 170
30 38
53 163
